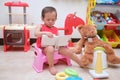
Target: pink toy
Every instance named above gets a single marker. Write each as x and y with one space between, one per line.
40 59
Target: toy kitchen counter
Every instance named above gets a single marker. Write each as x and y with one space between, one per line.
31 28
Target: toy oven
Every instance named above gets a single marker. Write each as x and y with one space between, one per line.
14 37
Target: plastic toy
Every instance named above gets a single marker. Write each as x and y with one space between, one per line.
109 17
71 72
115 1
107 1
110 39
97 16
18 4
73 78
98 19
100 59
40 59
68 74
103 55
110 34
118 3
72 21
16 36
25 40
99 1
61 76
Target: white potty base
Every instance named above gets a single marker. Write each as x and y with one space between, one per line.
99 75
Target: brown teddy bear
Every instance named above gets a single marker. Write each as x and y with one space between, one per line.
90 40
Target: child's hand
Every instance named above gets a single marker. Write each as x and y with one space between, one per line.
49 34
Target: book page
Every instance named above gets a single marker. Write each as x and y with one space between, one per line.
48 41
63 40
55 41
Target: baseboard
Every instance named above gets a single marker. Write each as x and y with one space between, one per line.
1 41
75 39
33 40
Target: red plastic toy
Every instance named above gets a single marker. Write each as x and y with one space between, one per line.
17 4
16 39
72 21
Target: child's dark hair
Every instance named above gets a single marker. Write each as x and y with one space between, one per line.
48 9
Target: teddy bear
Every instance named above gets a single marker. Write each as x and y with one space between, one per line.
90 40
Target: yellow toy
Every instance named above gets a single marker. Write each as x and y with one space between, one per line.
98 71
61 76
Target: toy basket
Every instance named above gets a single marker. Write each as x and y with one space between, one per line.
101 35
111 37
118 34
114 21
118 28
111 27
100 25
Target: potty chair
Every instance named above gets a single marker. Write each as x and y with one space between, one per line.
40 59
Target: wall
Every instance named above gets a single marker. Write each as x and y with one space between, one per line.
63 7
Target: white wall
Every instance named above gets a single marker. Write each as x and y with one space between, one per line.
63 7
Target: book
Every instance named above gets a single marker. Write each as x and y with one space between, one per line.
55 41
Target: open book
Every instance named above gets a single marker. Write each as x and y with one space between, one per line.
55 41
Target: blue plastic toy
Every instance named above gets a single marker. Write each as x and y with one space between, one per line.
107 1
115 1
73 78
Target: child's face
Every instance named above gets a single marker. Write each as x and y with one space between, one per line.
49 18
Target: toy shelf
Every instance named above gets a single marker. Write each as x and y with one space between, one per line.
109 31
111 37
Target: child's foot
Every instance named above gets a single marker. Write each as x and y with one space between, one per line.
52 70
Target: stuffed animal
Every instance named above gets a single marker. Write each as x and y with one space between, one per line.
90 40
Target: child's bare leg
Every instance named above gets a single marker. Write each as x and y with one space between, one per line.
69 53
49 51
